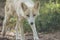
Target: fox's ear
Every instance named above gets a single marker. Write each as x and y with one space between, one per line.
37 5
24 6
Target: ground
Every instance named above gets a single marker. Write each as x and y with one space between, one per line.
42 36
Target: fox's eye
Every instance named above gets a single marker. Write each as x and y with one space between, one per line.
34 15
27 15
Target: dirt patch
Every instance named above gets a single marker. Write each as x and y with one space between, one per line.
42 36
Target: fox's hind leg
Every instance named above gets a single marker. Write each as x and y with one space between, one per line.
4 29
6 19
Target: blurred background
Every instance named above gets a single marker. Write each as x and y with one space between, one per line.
47 22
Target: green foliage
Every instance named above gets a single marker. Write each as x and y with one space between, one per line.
26 26
49 19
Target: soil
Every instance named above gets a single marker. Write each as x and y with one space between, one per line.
29 36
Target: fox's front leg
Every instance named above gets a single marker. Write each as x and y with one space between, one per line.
19 29
17 32
35 35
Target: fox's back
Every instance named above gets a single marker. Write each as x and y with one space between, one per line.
16 4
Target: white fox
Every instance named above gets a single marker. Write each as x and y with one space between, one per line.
22 9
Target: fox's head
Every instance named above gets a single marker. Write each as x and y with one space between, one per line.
30 13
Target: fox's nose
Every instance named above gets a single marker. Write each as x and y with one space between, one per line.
31 23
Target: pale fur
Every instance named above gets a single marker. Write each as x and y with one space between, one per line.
13 7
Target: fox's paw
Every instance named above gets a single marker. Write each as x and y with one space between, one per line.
36 38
